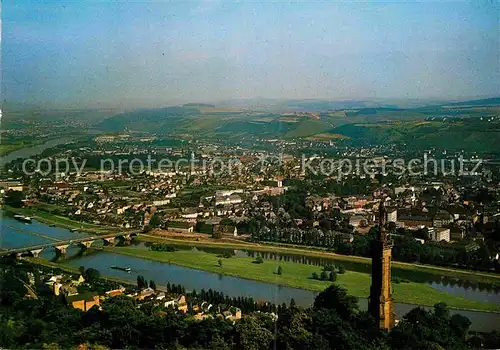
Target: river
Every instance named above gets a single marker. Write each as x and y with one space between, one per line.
17 234
467 289
33 150
192 279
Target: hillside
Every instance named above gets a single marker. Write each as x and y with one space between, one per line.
495 101
468 125
469 134
148 120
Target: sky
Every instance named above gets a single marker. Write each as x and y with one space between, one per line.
139 54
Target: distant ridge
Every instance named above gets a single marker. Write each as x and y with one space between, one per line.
198 105
483 102
147 119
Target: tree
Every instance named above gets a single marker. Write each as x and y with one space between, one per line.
335 298
324 275
220 263
92 275
152 284
441 310
253 334
315 275
492 340
259 260
81 269
431 329
280 270
341 269
329 267
338 332
217 234
14 198
333 276
460 324
141 282
155 220
334 322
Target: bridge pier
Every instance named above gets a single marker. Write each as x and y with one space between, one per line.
36 252
61 248
85 244
124 237
109 241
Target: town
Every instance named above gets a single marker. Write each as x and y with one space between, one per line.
250 175
454 218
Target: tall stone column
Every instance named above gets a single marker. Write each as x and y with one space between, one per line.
380 300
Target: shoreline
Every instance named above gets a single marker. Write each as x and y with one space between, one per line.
410 293
482 277
73 270
51 219
69 269
60 221
412 299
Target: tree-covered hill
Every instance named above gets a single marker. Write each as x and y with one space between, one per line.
461 126
147 120
466 134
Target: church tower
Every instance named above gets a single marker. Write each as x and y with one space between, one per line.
380 300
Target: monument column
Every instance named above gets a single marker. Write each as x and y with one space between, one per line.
380 300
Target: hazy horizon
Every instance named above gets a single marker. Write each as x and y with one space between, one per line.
154 54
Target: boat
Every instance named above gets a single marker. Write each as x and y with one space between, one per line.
126 269
22 218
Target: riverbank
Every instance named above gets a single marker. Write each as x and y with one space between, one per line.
299 276
61 221
6 149
473 276
205 241
73 270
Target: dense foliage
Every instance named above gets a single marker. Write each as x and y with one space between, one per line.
162 247
334 321
332 229
14 198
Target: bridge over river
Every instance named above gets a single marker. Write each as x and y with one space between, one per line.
61 245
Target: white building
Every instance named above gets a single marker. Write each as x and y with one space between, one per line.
439 234
231 199
226 193
161 202
392 215
358 220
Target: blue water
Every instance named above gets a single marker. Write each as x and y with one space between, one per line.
163 273
14 234
192 279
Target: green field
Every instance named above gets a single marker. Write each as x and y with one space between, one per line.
6 149
473 276
299 276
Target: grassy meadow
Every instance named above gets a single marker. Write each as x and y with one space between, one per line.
300 276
